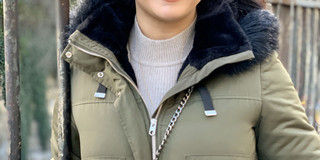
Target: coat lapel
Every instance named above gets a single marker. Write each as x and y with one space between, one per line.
128 104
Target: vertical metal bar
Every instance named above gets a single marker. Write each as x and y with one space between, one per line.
299 19
12 76
63 82
278 10
314 93
291 41
306 97
318 70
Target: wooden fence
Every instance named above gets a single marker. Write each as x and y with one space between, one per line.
299 49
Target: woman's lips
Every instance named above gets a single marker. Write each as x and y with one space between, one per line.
171 0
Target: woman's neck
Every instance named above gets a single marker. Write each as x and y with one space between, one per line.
159 30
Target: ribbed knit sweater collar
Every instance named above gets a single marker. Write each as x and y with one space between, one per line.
161 53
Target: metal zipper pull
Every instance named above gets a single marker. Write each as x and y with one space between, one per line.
152 133
153 127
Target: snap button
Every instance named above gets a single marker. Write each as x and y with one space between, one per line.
100 74
68 54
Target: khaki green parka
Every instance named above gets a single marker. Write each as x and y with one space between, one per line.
259 114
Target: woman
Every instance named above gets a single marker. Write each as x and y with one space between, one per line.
207 68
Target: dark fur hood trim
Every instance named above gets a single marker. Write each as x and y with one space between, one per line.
218 32
262 30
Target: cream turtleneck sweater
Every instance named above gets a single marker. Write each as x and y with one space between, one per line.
156 63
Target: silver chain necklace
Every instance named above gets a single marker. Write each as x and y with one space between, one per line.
173 121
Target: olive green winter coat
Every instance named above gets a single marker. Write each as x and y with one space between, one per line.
259 115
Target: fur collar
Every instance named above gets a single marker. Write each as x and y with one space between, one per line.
218 32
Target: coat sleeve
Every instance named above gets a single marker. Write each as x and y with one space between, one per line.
75 141
284 132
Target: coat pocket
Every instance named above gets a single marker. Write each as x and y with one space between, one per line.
216 157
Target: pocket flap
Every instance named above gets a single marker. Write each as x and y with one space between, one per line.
216 157
106 158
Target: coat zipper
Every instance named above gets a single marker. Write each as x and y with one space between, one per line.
153 121
152 132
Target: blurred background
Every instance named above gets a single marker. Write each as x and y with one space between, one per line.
299 52
37 48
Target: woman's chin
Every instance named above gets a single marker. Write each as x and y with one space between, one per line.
171 16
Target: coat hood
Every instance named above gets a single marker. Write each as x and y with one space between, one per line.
219 32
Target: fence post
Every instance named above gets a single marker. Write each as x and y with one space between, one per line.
291 54
307 81
12 76
62 22
299 46
315 69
